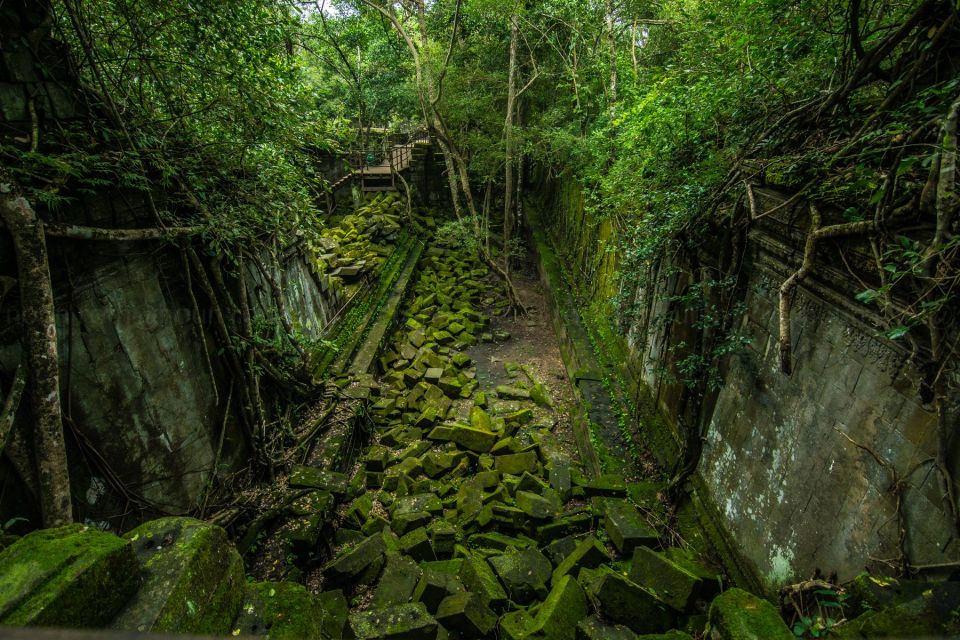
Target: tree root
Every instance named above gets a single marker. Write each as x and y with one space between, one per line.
814 235
898 486
10 405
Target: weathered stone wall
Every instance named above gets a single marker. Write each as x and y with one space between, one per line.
790 490
144 397
135 373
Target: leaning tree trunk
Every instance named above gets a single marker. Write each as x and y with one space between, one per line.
508 145
40 345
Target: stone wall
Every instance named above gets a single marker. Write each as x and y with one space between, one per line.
144 396
140 373
789 488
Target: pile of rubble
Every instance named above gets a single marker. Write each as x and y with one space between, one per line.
473 521
356 244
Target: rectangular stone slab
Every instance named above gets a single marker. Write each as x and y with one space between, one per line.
193 579
397 583
672 583
564 608
409 621
467 613
71 576
286 609
621 601
476 440
313 478
355 561
626 528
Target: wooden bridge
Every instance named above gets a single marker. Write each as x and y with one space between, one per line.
395 160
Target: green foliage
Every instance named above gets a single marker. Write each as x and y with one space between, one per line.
203 107
823 612
458 233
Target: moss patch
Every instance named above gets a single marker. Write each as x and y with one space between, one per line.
71 576
278 610
739 615
193 579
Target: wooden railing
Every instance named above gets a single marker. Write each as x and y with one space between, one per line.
381 162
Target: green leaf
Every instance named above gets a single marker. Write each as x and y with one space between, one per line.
866 297
897 332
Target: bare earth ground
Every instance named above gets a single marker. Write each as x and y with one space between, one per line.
533 343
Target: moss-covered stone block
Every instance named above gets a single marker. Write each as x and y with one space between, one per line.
524 573
561 548
417 503
477 576
480 419
515 625
396 586
711 580
280 610
626 528
71 576
607 486
592 628
933 612
436 583
363 560
622 601
466 613
588 553
401 524
567 525
535 506
510 392
313 478
558 616
516 463
409 621
517 419
334 612
416 544
193 579
443 536
672 583
437 463
739 615
558 473
476 440
303 532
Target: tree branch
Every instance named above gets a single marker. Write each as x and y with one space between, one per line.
814 235
76 232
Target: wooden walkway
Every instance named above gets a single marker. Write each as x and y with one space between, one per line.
380 177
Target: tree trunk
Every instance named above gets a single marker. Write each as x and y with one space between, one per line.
612 44
40 345
508 145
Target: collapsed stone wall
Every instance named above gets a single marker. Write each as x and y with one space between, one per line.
779 469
